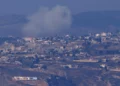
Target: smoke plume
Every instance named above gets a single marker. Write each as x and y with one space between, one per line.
48 21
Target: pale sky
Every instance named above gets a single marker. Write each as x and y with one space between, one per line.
76 6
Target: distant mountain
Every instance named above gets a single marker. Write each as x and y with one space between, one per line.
96 21
12 19
82 23
12 24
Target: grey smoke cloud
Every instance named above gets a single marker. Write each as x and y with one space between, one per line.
48 21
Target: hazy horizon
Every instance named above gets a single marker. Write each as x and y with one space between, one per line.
28 7
38 17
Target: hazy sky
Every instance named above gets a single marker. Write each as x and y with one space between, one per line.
76 6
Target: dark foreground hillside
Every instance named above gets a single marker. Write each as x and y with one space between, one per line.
74 77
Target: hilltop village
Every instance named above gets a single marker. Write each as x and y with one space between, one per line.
45 61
